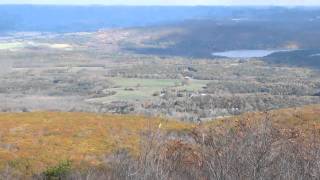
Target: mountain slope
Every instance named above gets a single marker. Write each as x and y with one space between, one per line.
43 139
32 142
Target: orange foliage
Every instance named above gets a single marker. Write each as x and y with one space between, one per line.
303 120
38 140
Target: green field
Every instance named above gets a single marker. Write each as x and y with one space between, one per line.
143 89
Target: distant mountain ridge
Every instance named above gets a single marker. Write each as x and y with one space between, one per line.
46 18
301 58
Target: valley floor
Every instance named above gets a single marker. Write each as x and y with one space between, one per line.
97 72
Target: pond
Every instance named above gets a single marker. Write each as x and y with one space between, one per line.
245 53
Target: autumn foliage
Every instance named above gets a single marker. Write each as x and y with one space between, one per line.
282 144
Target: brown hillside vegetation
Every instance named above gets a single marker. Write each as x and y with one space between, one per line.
303 119
34 141
280 144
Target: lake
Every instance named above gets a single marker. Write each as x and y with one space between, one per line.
245 53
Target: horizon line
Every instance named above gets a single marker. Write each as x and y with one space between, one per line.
163 5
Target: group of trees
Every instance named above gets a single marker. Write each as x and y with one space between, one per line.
191 106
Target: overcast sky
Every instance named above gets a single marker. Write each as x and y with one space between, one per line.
168 2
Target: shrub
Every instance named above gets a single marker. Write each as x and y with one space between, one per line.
58 172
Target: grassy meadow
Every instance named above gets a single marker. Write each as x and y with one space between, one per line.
137 89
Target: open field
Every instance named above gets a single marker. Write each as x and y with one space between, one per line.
138 89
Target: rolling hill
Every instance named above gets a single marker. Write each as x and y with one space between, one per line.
301 58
